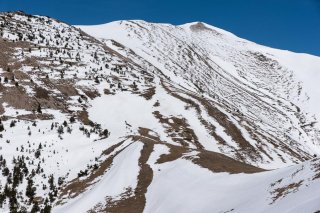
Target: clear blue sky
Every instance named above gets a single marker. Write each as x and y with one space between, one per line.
285 24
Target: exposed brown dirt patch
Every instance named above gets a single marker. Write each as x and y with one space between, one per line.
283 191
149 93
84 117
7 50
42 93
200 27
92 94
217 162
179 130
67 89
21 75
1 109
175 153
18 98
148 133
108 92
34 116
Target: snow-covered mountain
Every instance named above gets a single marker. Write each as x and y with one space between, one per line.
132 116
247 83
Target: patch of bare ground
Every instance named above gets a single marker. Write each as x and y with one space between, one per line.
13 92
41 93
175 153
18 98
148 93
217 162
52 102
179 130
5 53
283 191
7 50
31 61
92 94
35 116
201 27
84 117
55 100
1 109
149 134
108 92
77 186
67 89
20 75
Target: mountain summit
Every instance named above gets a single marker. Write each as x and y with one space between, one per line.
132 116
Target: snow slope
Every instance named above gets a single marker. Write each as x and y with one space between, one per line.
257 85
220 44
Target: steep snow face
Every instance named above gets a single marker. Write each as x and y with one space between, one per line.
282 74
259 89
306 70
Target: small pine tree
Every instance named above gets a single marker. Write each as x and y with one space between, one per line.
65 123
39 110
60 130
72 119
30 190
13 204
37 153
1 127
47 207
12 123
35 208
